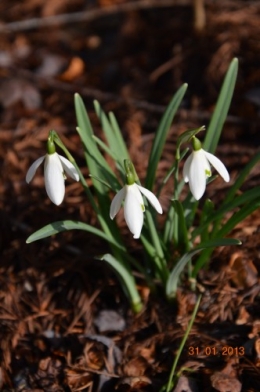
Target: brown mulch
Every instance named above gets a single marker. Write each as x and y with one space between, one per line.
65 324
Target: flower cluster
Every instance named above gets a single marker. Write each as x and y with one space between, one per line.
196 170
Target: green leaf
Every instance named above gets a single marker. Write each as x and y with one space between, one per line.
172 283
221 109
106 148
96 162
208 210
237 217
205 255
161 134
173 280
114 138
241 178
127 281
251 196
175 227
98 168
118 134
60 226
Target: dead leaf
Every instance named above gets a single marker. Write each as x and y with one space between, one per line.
135 383
51 65
226 380
186 384
136 367
243 316
109 320
244 272
75 69
15 90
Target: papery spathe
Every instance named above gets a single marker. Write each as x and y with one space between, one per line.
197 168
134 206
54 167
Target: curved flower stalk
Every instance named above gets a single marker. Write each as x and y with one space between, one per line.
134 207
197 169
55 167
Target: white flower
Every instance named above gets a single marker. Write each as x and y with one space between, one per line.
197 168
133 206
54 167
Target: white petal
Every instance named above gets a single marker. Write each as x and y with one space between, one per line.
116 202
186 168
69 168
54 178
218 165
151 198
32 169
197 174
133 210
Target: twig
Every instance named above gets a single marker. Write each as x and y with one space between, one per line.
193 115
86 16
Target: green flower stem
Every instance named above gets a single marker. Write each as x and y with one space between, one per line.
171 221
159 258
185 337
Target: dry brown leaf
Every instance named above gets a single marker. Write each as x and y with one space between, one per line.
15 90
186 384
135 383
109 320
75 69
243 316
136 367
226 380
244 272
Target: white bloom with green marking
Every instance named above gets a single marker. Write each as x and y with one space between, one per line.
134 207
55 167
197 169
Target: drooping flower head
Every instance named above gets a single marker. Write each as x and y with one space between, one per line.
134 207
197 169
55 167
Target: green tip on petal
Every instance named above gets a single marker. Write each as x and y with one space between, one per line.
130 172
196 144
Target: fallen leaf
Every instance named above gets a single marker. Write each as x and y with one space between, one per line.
109 320
226 380
186 384
75 69
244 272
15 90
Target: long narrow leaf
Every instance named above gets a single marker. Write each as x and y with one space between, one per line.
60 226
96 162
221 109
241 177
128 282
112 139
161 134
118 134
251 196
237 217
172 283
205 256
173 280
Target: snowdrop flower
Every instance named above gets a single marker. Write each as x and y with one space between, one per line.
134 208
197 168
54 167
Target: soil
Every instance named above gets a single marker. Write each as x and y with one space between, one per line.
65 324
